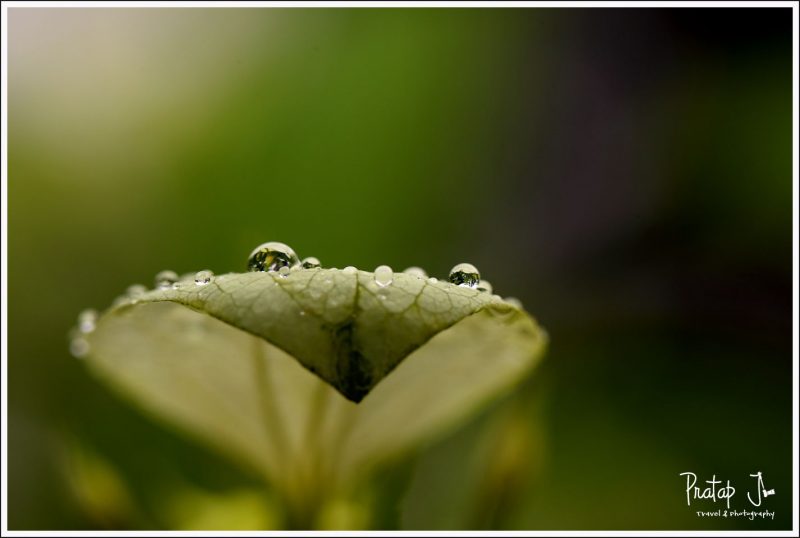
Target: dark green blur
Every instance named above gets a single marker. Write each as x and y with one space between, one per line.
624 173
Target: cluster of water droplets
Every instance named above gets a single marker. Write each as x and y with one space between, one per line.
78 343
281 259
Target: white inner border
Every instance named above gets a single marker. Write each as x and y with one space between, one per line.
390 4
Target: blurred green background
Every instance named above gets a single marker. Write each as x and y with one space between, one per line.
625 173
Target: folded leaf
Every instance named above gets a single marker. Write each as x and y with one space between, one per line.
313 376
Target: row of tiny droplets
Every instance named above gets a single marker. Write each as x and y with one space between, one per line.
274 256
280 258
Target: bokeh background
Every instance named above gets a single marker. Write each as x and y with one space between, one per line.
625 172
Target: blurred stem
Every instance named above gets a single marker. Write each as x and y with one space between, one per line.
300 505
306 475
312 489
302 512
269 406
316 420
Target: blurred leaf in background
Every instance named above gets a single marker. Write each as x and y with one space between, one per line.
625 173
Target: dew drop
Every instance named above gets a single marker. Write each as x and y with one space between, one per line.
183 280
418 272
311 263
201 278
484 285
136 290
383 275
271 257
465 274
283 272
513 301
87 320
165 279
79 347
433 280
349 270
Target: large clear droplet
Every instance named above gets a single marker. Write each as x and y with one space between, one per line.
311 263
383 275
165 279
484 285
418 272
271 257
201 278
87 320
465 274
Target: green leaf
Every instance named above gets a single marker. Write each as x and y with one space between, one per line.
231 361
